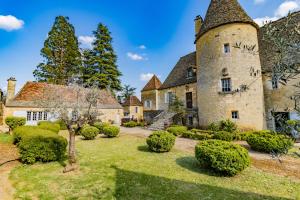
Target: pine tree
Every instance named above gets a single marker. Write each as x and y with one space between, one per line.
100 63
62 58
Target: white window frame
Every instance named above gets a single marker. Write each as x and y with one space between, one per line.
235 115
226 86
34 116
29 116
45 116
148 103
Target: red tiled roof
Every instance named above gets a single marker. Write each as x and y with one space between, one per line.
153 84
132 101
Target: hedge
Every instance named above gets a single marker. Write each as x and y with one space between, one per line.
51 126
37 144
223 135
130 124
269 142
89 132
111 131
222 157
160 141
196 135
14 122
177 130
100 126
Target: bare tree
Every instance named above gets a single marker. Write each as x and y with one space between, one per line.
75 106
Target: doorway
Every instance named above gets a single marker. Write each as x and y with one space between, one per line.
189 100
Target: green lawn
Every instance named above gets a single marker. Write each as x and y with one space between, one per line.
5 138
122 168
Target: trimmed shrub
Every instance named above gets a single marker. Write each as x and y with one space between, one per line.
14 122
222 157
177 130
89 132
269 142
228 126
161 141
62 124
37 144
111 131
100 126
130 124
223 135
51 126
214 127
196 135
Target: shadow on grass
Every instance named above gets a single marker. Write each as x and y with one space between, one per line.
144 148
191 163
133 185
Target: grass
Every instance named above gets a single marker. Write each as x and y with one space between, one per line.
122 168
6 138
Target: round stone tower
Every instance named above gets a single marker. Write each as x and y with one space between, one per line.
229 80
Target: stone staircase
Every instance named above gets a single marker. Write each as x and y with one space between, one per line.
160 120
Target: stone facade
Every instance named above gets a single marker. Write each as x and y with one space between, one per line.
241 66
150 98
134 112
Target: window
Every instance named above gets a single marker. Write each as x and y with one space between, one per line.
226 48
191 72
136 109
45 116
148 104
40 116
29 116
34 116
274 83
235 115
168 97
226 85
189 99
190 120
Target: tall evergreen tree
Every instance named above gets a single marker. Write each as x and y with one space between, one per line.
100 63
62 58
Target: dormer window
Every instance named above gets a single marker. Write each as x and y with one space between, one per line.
191 72
226 48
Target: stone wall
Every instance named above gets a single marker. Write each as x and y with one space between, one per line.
151 95
242 65
279 99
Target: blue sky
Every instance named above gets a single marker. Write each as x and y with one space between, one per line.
149 35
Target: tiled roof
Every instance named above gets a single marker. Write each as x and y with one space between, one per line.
267 50
33 92
178 75
153 84
221 12
132 101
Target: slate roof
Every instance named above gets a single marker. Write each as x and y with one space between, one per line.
132 101
266 48
34 92
221 12
153 84
177 77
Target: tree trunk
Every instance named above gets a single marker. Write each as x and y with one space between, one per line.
71 154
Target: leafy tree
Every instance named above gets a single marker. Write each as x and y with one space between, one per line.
100 63
127 91
62 58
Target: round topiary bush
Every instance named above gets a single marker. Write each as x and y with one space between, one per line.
89 132
269 142
14 122
177 130
100 126
161 141
223 135
222 157
111 131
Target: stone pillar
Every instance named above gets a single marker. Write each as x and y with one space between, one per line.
11 89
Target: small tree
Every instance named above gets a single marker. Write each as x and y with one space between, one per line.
177 106
75 112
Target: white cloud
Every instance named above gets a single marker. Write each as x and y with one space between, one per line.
281 11
135 56
286 7
142 47
256 2
146 77
86 40
10 23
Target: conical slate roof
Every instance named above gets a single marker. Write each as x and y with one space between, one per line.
221 12
153 84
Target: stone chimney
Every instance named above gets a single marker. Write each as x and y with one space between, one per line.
11 89
198 23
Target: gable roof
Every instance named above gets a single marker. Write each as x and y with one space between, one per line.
177 77
32 92
221 12
267 51
153 84
132 101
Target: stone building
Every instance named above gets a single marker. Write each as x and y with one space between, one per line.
26 102
133 109
228 76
